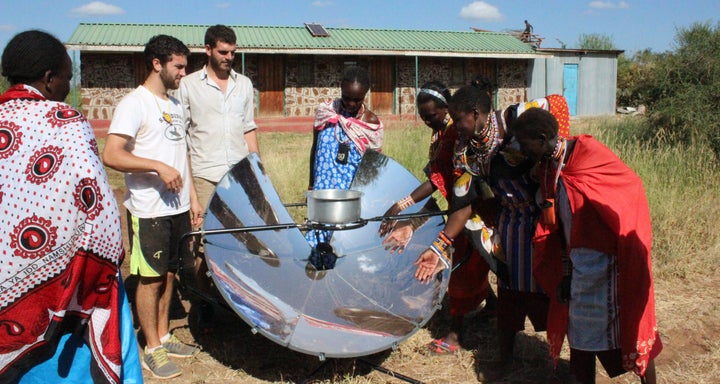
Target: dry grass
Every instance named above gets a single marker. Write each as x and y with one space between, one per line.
684 208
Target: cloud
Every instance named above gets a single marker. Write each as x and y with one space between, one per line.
7 27
480 10
97 8
366 265
222 5
608 5
322 3
601 5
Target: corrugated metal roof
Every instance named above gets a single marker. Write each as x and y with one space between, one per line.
277 39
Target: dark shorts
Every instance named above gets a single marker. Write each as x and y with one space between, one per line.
514 306
154 243
610 360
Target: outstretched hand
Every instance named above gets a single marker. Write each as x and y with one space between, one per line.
428 264
388 225
399 238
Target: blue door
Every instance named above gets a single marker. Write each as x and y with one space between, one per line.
570 86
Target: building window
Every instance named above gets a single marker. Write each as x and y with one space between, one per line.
457 72
306 70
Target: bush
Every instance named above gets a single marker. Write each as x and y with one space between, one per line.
687 89
676 178
638 78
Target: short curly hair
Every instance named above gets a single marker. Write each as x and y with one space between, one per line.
220 33
30 54
471 97
357 74
162 47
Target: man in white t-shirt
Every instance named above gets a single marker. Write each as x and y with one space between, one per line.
147 142
221 128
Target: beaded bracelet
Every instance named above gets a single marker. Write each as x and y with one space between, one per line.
440 247
406 202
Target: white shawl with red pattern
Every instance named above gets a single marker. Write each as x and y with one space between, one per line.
60 235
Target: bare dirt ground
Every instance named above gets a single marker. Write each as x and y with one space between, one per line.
686 311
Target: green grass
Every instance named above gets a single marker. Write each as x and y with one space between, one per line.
679 181
286 156
684 203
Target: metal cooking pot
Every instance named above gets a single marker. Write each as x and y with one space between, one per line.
333 206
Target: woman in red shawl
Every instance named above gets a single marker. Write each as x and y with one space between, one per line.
593 245
495 179
469 283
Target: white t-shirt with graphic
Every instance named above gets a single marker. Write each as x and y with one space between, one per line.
139 115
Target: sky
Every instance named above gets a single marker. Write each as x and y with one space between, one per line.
633 25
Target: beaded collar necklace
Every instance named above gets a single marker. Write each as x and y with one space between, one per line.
474 156
557 158
559 151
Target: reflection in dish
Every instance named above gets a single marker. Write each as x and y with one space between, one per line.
366 302
378 320
229 220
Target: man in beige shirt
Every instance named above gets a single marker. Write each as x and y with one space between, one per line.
220 123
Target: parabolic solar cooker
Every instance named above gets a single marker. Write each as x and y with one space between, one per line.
348 297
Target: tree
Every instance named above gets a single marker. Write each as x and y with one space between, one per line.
637 79
596 41
687 88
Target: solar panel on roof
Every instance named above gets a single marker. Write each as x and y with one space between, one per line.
317 30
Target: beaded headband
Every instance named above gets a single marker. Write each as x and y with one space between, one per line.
435 93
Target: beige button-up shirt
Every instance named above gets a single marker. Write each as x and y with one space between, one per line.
216 123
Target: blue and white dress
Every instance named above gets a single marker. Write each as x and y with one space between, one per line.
329 174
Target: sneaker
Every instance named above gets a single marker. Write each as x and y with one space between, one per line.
158 364
177 348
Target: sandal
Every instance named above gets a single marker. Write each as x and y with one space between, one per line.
441 348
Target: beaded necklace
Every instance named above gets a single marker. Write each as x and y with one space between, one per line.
549 182
474 155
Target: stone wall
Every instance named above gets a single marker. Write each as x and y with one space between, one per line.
512 82
105 79
510 77
309 80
